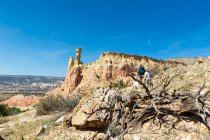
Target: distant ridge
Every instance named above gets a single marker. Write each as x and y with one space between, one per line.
188 61
25 76
28 83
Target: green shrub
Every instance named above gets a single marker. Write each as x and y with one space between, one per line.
52 103
118 85
69 103
8 111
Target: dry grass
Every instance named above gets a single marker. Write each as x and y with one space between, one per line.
25 125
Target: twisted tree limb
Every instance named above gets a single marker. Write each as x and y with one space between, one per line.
141 83
154 107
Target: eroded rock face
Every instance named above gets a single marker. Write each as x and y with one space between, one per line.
21 101
71 63
90 115
73 78
111 67
78 56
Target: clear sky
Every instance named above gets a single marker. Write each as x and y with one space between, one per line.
38 36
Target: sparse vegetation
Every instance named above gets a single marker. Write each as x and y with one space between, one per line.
8 111
51 104
4 120
29 129
118 85
186 87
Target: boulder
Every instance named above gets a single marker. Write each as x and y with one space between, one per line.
67 119
90 114
60 120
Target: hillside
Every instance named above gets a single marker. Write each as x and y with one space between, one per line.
110 107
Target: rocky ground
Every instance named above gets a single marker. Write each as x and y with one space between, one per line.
98 85
30 127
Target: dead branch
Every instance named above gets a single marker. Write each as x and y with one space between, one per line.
206 93
201 88
141 83
154 107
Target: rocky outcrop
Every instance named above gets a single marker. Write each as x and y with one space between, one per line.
73 78
78 60
71 63
108 68
88 117
21 101
78 56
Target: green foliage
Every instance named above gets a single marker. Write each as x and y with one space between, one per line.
8 111
118 85
52 103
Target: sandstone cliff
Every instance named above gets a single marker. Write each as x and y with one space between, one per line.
108 68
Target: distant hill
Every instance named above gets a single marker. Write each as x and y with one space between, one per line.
29 78
28 83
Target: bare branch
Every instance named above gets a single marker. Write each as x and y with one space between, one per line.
201 88
141 83
206 93
169 80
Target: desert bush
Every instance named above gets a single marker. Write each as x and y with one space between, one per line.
8 111
52 103
118 85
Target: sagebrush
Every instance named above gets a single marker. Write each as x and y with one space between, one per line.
52 103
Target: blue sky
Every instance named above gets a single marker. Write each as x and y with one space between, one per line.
38 36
